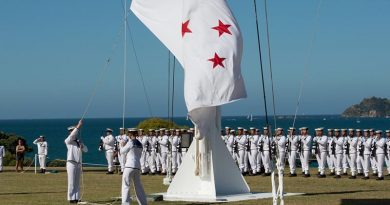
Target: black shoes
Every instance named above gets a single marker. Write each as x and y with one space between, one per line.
345 174
292 175
332 174
306 175
322 176
380 178
109 172
337 177
74 201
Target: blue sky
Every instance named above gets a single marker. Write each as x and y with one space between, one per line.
52 52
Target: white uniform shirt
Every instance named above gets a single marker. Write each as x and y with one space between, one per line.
120 139
164 141
339 145
306 142
330 142
380 145
367 145
266 142
230 141
2 151
254 141
133 152
322 142
73 144
175 141
353 143
294 142
281 142
42 147
153 141
242 140
109 143
144 141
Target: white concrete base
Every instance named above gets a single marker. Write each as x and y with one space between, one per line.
226 198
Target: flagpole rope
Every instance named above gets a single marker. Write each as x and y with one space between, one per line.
137 63
308 60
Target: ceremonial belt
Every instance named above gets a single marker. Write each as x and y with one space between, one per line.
132 168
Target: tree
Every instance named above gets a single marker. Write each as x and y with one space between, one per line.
9 141
157 123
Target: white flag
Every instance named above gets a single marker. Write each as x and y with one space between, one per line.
205 38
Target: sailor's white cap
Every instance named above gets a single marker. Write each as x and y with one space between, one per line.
265 128
182 130
303 128
192 129
336 130
279 129
121 128
257 130
177 130
358 130
319 129
291 128
387 131
108 130
131 129
365 130
71 128
141 129
351 129
41 136
330 130
245 130
162 129
252 128
378 132
227 128
371 130
343 130
240 128
151 130
232 131
167 131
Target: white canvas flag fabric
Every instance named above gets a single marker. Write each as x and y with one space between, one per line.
205 38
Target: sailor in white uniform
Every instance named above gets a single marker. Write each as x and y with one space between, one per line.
360 150
109 146
380 153
164 144
230 144
367 153
322 141
306 141
331 153
153 143
132 174
281 141
144 139
259 162
387 157
225 135
119 139
2 155
42 152
353 142
265 149
339 147
175 143
373 158
254 150
293 151
242 141
74 162
346 157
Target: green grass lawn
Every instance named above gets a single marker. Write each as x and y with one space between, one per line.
28 188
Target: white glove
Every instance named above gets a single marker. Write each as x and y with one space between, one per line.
101 137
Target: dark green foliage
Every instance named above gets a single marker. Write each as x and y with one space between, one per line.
157 123
9 141
57 163
369 107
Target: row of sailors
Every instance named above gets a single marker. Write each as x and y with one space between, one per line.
357 150
160 147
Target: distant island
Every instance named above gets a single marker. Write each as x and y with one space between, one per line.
369 107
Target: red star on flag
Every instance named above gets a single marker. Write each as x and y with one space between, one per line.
217 61
222 28
184 28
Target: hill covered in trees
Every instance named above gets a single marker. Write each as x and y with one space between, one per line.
369 107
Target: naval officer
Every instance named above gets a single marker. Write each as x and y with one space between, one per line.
293 150
74 162
132 173
42 152
387 156
109 146
265 149
322 141
339 146
380 153
353 142
242 141
281 141
306 141
121 138
254 150
366 153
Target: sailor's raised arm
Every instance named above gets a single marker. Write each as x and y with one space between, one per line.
73 132
127 147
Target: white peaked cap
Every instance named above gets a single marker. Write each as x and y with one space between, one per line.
330 130
291 128
108 130
232 131
378 132
351 129
303 128
336 130
265 128
358 130
252 128
279 129
387 131
240 128
71 128
227 128
319 129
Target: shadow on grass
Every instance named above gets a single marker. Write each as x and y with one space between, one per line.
338 192
26 193
365 201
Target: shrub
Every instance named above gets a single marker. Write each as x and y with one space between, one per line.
157 123
57 163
